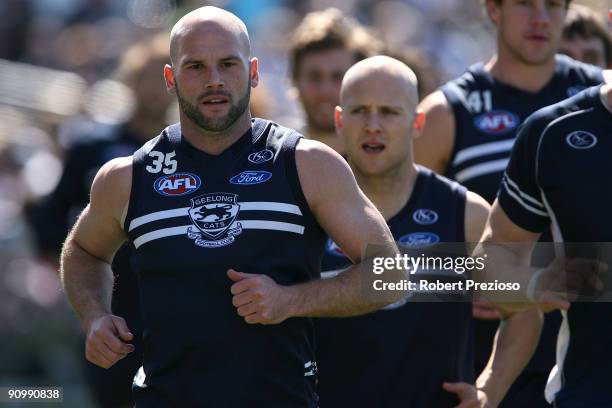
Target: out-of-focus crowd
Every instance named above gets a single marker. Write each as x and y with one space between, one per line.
75 71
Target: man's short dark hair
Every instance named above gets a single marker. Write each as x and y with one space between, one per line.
328 30
585 23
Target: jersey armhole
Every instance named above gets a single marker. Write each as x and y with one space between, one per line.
137 160
289 146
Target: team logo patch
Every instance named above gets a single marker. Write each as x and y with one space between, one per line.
425 216
261 156
178 184
213 215
573 90
418 240
496 122
333 249
581 140
251 177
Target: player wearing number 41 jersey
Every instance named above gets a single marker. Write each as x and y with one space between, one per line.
487 114
227 216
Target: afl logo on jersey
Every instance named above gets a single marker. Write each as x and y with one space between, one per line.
213 215
333 249
496 122
261 156
425 216
251 177
418 240
178 184
581 140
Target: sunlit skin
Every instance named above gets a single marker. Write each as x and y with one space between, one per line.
590 50
376 121
211 74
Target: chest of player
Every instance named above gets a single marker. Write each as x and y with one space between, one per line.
491 113
233 209
487 125
574 169
434 214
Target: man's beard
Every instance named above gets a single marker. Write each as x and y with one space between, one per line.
210 124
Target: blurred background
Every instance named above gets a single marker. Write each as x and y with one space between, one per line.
65 76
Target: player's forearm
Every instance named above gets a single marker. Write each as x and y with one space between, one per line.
506 263
87 281
347 294
515 341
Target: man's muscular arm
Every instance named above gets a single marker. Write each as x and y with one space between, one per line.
434 146
85 271
352 221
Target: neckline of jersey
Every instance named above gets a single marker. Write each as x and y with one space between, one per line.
551 85
414 195
257 128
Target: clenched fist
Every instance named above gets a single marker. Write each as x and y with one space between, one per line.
259 299
106 340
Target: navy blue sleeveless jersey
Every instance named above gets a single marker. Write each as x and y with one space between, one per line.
401 355
487 115
191 217
554 179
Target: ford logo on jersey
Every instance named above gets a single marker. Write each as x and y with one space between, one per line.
418 240
178 184
581 140
496 122
251 177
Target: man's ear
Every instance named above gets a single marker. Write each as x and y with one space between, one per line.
419 120
338 119
254 72
493 10
169 78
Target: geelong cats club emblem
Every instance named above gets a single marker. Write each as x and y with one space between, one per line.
214 217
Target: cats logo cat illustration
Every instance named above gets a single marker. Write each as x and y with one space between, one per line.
213 215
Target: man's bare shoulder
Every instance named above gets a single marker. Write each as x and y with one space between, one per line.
435 105
311 152
433 147
321 169
476 213
112 185
116 173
